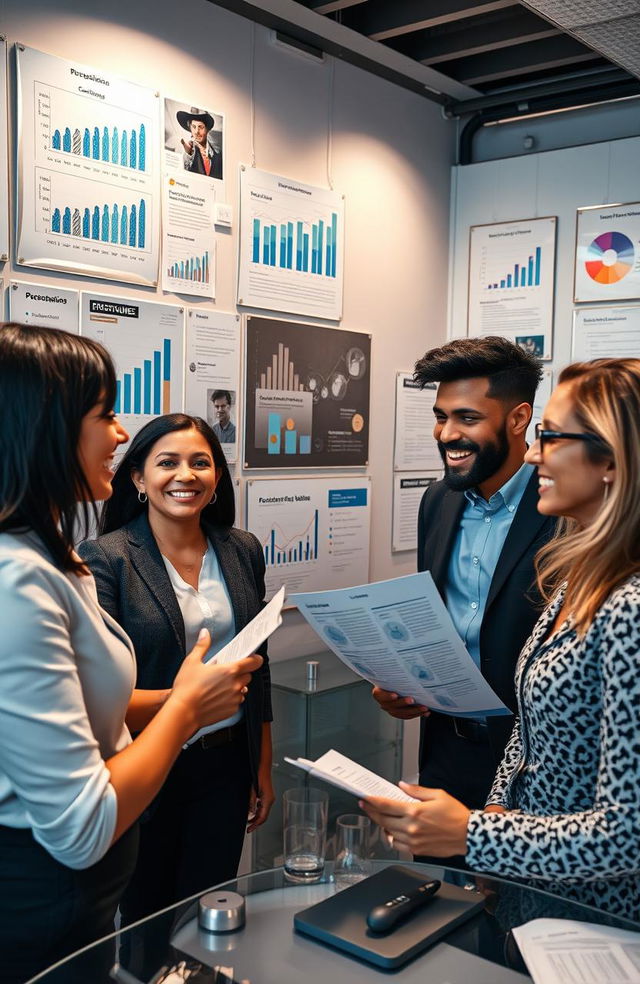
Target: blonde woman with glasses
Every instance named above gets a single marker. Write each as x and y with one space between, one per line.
564 809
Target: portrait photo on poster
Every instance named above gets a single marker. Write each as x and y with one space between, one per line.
307 395
194 139
221 413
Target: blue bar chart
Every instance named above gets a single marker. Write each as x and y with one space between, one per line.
297 245
526 274
117 224
296 549
195 268
109 144
146 388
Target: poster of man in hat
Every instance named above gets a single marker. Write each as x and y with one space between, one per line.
195 136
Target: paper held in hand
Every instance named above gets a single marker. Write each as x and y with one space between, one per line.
399 636
247 642
346 774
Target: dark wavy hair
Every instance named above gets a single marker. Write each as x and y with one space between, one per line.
49 380
124 505
513 374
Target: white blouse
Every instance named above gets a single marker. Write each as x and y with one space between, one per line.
207 607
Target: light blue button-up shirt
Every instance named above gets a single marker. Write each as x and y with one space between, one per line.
476 549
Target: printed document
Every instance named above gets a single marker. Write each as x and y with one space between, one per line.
346 774
246 642
564 951
398 635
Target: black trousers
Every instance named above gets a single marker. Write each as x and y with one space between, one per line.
463 768
190 840
48 911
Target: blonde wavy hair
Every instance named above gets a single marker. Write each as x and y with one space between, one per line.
596 559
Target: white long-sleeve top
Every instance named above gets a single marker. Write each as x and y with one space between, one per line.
67 673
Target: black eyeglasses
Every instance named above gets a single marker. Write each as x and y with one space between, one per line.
549 436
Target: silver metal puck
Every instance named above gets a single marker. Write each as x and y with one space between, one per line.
221 912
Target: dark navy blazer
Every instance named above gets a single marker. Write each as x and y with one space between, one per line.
513 604
134 587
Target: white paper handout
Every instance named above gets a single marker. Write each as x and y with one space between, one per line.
564 951
246 642
346 774
398 635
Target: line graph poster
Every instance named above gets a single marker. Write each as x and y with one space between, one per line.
306 395
146 342
88 176
607 266
291 246
314 531
4 154
511 282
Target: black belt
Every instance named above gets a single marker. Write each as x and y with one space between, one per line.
224 736
470 730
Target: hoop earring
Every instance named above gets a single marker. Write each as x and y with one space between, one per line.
142 496
213 499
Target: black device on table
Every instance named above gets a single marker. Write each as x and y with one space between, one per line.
386 916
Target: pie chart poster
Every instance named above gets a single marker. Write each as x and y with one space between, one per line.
307 394
607 264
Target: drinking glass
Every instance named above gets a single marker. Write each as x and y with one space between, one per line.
352 849
305 833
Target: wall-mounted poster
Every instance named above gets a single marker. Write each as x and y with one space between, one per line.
291 246
415 447
188 236
146 342
44 304
213 368
606 333
607 266
4 154
88 174
543 393
306 395
511 282
408 489
314 531
193 140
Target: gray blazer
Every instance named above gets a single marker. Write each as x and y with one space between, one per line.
134 587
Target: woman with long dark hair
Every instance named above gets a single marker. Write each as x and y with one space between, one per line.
169 563
72 784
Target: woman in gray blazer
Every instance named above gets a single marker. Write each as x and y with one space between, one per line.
169 563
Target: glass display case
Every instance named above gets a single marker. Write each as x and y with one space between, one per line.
334 710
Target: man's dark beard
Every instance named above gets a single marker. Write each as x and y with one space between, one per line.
489 458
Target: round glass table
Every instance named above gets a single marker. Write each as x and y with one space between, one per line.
267 950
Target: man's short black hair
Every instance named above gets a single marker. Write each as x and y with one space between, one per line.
513 374
221 395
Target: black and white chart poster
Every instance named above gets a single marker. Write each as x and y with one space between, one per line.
511 282
306 395
88 171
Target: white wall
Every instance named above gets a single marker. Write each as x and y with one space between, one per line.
553 183
391 157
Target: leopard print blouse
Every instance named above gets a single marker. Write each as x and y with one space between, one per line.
570 775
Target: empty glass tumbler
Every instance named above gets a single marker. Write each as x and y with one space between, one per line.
352 849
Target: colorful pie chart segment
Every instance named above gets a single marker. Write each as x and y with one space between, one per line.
610 257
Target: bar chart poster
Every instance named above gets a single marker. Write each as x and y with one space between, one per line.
314 531
146 343
607 266
213 373
291 246
606 333
306 395
4 154
188 237
511 282
44 304
88 172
